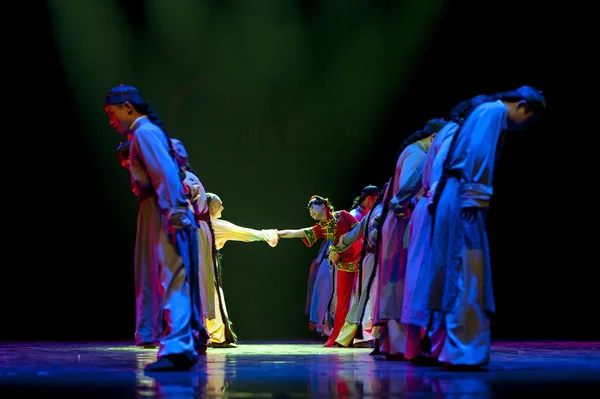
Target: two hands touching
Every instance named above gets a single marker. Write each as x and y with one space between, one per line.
398 209
177 220
334 255
333 251
271 236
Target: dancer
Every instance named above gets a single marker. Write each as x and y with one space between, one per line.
164 222
319 291
331 225
217 321
460 282
391 247
361 206
148 299
363 203
419 231
147 290
358 327
321 281
198 198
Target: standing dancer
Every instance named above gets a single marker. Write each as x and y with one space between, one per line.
358 326
219 326
460 276
148 299
321 281
165 220
330 226
413 312
147 284
319 291
391 247
363 203
360 208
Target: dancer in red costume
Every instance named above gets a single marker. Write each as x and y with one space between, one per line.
330 226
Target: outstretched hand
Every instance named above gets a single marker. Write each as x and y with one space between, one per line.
271 237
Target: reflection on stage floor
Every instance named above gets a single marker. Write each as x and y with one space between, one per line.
297 369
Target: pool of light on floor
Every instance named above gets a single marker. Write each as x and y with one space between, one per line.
254 349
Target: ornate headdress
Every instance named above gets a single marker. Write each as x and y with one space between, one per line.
321 200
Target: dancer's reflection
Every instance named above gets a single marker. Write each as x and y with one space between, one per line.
342 375
335 375
372 378
218 370
460 386
182 385
144 386
190 384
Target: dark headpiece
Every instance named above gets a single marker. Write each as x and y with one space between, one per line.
532 96
369 190
122 93
434 125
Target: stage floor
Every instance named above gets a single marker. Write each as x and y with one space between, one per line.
292 369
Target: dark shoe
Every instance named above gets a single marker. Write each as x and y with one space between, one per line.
431 362
148 345
376 351
422 360
363 344
418 360
174 362
396 357
200 347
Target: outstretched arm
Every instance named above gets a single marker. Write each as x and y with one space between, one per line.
308 235
291 233
227 231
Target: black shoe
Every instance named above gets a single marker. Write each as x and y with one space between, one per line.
431 362
175 362
376 351
148 345
200 347
423 360
396 357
